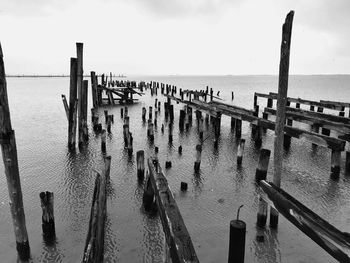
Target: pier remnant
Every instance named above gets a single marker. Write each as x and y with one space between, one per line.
9 155
237 240
48 218
281 107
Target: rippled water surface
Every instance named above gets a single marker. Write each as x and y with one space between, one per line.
213 197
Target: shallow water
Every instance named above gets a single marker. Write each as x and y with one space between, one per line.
39 121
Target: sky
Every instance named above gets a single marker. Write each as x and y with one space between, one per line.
169 37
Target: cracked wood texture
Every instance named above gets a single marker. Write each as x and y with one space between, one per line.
176 234
9 155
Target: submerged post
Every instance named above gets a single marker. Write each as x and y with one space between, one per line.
281 107
48 218
9 155
140 159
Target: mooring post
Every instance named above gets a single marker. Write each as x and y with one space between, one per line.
197 163
73 104
263 165
240 150
140 160
281 107
9 155
237 240
48 218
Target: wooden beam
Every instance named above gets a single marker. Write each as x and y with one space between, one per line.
94 245
319 139
305 118
334 241
176 234
324 104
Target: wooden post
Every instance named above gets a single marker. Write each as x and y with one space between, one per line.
84 104
183 186
48 218
240 152
263 165
233 123
180 150
65 105
237 240
79 47
73 104
9 155
150 112
140 159
197 163
94 245
94 89
281 107
125 134
144 113
130 143
151 132
126 112
148 194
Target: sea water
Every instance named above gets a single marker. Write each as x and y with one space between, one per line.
213 197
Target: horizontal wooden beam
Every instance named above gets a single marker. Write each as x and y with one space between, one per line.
273 95
334 241
306 118
176 234
338 103
320 115
319 139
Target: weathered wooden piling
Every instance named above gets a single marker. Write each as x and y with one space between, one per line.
197 163
94 88
9 155
183 186
176 234
65 105
73 104
148 195
109 123
107 161
182 119
144 113
140 160
103 141
48 218
263 165
130 140
237 240
180 150
262 212
240 151
94 245
150 112
347 162
281 107
126 112
122 112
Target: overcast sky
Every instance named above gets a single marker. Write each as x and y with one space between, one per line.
174 36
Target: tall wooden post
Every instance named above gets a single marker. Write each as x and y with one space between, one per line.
281 107
94 89
9 156
73 104
79 47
